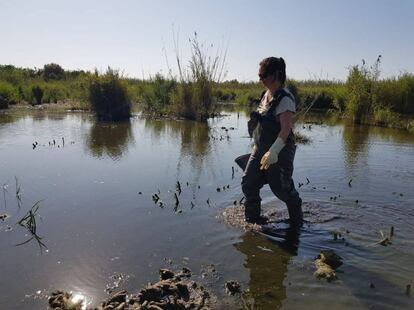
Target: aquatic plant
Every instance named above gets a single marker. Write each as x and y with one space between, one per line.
28 221
193 98
18 192
108 96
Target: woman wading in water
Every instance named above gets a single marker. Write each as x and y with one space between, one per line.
271 160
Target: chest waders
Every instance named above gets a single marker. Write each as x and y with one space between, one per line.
278 175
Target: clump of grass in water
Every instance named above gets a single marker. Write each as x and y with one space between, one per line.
28 221
193 97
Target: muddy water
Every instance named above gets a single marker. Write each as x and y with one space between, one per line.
103 230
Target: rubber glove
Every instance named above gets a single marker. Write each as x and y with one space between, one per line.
271 156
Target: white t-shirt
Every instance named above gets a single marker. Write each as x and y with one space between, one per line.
286 104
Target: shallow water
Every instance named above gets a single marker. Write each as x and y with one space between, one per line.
101 226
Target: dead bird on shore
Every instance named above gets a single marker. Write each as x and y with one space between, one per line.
326 263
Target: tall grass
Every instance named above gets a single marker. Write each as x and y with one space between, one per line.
191 93
108 96
193 98
370 99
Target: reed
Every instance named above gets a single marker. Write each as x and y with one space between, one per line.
28 221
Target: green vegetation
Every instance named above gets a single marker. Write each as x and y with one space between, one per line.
191 95
108 96
51 84
198 89
8 95
28 221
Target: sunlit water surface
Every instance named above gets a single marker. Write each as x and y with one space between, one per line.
102 228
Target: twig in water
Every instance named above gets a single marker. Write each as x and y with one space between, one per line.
177 201
178 186
18 192
4 194
385 240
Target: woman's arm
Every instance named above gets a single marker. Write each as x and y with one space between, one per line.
286 124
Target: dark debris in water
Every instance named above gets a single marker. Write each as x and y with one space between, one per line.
4 216
173 291
232 287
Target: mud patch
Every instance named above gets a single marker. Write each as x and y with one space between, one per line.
313 212
174 290
234 216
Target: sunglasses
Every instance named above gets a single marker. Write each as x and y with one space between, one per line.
263 76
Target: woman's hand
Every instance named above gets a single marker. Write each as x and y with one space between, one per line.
268 159
271 157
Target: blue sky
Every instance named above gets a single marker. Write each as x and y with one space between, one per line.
318 39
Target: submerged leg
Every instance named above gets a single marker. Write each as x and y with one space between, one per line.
279 177
252 182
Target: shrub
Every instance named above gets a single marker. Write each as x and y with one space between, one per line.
53 72
156 95
249 96
37 94
8 95
53 93
384 116
109 97
362 94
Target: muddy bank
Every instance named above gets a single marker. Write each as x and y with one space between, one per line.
174 291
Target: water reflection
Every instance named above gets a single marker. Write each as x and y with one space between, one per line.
109 139
193 136
355 144
267 262
7 117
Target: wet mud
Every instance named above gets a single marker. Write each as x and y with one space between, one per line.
174 291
